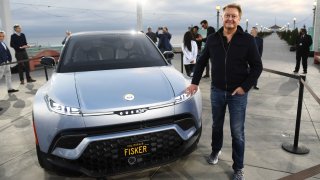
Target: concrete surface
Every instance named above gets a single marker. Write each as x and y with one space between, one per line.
271 115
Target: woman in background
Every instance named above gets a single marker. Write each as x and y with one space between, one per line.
190 51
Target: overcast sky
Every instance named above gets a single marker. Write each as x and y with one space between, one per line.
47 20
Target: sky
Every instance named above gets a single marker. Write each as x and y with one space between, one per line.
45 21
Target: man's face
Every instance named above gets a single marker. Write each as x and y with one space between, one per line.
1 37
18 29
231 18
204 25
254 32
195 30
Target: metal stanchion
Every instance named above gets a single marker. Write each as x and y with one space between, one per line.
46 72
294 148
181 62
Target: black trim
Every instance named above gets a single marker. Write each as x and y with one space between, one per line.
185 121
186 148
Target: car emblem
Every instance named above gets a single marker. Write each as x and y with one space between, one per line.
129 97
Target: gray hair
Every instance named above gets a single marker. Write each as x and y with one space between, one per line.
2 32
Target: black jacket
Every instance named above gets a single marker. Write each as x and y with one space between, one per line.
259 42
5 54
303 43
210 31
230 65
18 41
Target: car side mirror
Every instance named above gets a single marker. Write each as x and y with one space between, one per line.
48 61
168 55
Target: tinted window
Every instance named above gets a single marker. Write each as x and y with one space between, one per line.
102 52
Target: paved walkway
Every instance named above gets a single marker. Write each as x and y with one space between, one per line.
270 122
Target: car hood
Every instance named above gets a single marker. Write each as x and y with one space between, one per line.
111 90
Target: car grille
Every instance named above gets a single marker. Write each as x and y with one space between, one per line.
106 157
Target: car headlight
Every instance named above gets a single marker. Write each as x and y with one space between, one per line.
61 109
183 97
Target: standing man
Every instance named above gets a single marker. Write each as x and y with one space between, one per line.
5 57
210 30
19 44
259 42
68 34
231 51
152 35
303 43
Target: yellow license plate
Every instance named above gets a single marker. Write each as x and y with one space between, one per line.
135 149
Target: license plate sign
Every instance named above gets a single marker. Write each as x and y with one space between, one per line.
135 149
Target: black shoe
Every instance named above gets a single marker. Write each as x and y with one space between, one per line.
31 80
295 71
206 76
22 82
1 109
256 88
304 72
12 90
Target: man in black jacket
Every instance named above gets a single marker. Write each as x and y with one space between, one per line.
303 43
259 42
231 51
19 44
210 30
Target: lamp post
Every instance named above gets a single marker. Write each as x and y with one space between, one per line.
314 11
294 23
247 23
218 12
288 26
139 15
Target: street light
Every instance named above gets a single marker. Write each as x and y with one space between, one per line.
139 14
247 23
294 23
288 26
314 11
218 12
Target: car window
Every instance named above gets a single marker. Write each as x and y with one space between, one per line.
109 51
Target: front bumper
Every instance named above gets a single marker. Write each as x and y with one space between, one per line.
102 155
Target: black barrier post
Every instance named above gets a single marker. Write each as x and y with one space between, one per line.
181 62
45 71
294 148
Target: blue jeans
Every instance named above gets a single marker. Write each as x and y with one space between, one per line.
237 108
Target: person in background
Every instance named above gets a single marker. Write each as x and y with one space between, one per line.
164 40
303 44
230 50
68 34
259 42
190 51
151 35
5 57
19 43
210 30
197 37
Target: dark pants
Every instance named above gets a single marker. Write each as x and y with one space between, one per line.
237 109
23 65
189 68
304 57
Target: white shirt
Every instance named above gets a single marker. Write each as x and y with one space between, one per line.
189 56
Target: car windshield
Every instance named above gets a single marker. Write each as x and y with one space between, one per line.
109 51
